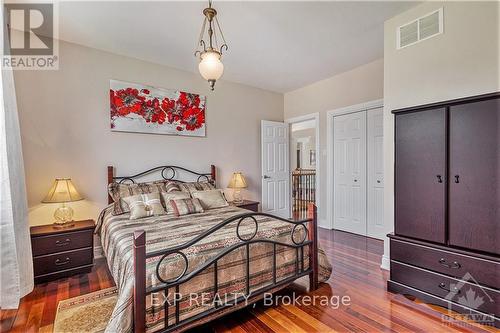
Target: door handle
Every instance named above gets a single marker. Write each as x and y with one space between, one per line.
457 179
378 181
440 178
355 180
267 177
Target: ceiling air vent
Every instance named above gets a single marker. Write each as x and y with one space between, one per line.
422 28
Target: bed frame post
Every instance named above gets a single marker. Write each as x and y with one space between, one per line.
312 213
212 174
140 281
111 170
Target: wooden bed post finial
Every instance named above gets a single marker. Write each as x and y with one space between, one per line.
312 214
212 174
111 174
140 281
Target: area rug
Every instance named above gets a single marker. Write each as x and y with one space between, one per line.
88 313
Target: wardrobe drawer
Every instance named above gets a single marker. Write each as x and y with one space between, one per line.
61 242
61 261
447 262
482 299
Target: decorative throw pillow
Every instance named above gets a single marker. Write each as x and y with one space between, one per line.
118 191
211 199
186 206
172 196
196 186
144 205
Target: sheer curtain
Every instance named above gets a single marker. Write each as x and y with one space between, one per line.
16 266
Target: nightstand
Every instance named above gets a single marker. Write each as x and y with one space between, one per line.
247 204
62 252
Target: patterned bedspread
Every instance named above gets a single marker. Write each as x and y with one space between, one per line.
197 294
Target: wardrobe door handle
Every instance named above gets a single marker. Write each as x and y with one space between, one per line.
440 178
454 265
442 285
457 179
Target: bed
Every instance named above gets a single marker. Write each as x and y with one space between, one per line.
174 273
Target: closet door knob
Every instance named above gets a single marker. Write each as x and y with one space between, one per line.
440 178
457 179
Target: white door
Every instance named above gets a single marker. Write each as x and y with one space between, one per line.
350 173
275 168
375 169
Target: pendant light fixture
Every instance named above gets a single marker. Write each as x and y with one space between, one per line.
210 67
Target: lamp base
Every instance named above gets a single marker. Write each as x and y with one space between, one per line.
237 197
64 217
65 225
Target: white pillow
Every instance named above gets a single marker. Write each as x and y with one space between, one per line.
211 198
167 196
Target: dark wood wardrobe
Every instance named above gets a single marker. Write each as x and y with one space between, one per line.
445 248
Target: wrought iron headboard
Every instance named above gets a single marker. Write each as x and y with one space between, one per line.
167 172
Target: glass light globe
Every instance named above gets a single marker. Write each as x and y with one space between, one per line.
211 68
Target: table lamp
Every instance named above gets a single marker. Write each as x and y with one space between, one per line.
237 183
62 191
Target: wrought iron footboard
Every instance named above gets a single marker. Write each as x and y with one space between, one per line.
309 240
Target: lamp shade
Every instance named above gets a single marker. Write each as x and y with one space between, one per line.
62 190
237 181
211 67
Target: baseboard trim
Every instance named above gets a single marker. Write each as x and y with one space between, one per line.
324 225
98 252
386 263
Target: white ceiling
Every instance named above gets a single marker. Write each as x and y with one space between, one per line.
278 46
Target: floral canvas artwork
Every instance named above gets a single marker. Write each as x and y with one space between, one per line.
145 109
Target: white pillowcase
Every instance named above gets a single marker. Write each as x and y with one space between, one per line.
167 196
211 199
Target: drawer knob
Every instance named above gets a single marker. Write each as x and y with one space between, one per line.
63 243
454 290
60 262
454 265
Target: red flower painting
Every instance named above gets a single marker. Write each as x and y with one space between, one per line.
135 108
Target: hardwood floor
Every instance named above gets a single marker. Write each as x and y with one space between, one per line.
356 274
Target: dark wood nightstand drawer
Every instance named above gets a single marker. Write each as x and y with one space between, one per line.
62 252
62 242
61 261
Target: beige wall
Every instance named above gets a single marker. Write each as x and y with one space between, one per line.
463 61
360 85
64 118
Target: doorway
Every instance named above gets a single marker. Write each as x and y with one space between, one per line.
355 170
304 163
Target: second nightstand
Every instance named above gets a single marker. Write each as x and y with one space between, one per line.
247 204
62 252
